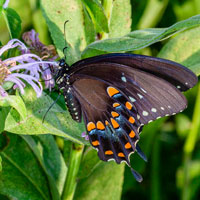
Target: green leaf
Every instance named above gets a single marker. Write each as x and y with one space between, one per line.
56 13
89 27
97 15
15 102
13 21
175 49
120 24
105 183
3 113
57 122
89 162
0 164
45 149
140 38
21 177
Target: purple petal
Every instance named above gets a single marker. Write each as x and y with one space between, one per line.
5 5
12 44
83 134
28 57
3 93
30 80
17 82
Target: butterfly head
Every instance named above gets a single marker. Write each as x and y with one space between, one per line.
62 71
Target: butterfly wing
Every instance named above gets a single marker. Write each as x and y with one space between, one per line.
109 117
119 93
178 75
151 96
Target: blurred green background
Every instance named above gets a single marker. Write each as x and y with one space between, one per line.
171 144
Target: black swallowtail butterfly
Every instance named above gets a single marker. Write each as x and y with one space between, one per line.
118 93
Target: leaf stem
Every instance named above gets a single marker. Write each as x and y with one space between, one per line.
74 164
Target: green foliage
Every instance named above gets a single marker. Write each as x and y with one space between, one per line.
34 165
15 102
13 22
107 179
57 122
97 15
138 39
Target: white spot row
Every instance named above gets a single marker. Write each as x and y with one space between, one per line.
132 99
139 95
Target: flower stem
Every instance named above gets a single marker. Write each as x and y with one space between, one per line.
74 164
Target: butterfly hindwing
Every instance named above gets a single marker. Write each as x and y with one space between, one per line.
110 119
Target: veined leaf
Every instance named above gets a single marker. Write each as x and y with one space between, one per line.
57 122
139 39
21 176
97 14
56 13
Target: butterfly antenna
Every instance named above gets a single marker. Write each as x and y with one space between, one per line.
65 38
50 108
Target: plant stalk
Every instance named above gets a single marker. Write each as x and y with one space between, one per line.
74 164
189 147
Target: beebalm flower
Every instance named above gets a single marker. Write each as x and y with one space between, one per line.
25 68
46 53
5 5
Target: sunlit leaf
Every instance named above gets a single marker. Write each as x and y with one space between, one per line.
15 102
57 122
140 38
13 21
56 13
184 49
97 15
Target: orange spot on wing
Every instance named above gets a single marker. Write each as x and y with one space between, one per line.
112 91
131 120
132 134
106 122
129 105
116 105
90 126
95 143
127 145
121 154
114 114
114 123
109 152
100 125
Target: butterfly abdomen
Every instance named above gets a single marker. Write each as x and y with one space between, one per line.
72 104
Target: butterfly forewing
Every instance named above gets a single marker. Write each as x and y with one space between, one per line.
174 73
